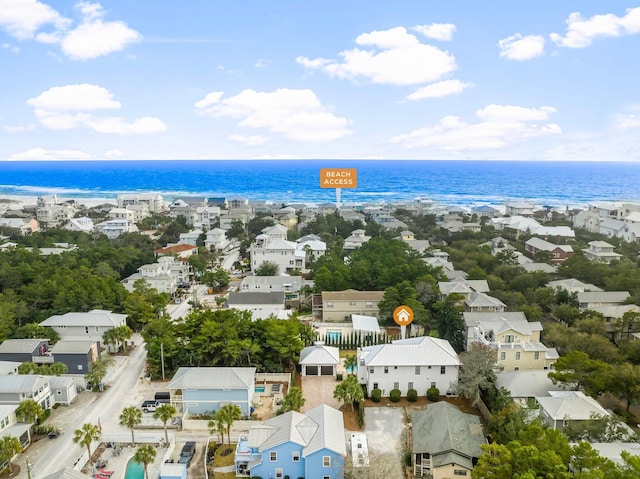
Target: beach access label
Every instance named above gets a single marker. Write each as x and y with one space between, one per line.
338 178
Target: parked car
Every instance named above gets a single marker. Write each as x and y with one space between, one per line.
188 450
150 406
163 397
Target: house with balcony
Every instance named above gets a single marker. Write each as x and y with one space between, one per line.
207 217
338 306
154 202
355 240
24 226
190 237
16 388
463 287
54 215
415 363
114 228
26 351
515 340
312 246
446 441
77 354
202 389
165 275
86 326
273 249
289 285
84 224
599 299
601 252
519 208
294 445
216 238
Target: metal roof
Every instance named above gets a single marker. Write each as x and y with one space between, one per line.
419 351
95 317
213 378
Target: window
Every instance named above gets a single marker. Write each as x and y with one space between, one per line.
509 338
518 356
279 473
273 456
295 456
417 370
410 385
369 304
396 385
326 461
352 303
503 356
79 367
386 369
86 329
371 370
443 369
536 355
459 472
329 304
375 386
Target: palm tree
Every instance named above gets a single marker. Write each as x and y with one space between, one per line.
9 447
29 411
165 412
86 435
216 425
227 414
131 416
350 363
145 455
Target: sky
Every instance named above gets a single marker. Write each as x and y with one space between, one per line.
320 79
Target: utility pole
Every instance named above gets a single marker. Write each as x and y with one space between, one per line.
162 359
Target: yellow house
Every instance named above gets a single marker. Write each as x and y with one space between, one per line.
515 340
340 305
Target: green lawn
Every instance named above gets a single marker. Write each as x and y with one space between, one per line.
224 460
345 352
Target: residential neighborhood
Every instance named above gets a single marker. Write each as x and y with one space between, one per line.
241 339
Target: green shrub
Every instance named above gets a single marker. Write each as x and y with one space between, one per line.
433 394
376 395
339 377
412 395
395 395
361 414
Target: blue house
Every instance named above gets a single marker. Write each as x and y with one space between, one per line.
296 445
201 390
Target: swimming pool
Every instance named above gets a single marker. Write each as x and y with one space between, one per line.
334 336
259 389
134 470
352 370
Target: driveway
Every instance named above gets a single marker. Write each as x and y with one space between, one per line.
385 429
318 390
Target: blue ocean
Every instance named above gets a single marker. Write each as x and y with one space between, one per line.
450 182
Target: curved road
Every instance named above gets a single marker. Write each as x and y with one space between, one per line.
107 406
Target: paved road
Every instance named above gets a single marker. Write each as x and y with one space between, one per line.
106 406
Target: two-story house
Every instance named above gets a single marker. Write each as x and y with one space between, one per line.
154 202
16 388
598 299
295 445
199 390
355 240
463 287
165 275
273 247
415 363
9 426
216 238
90 325
601 252
559 252
515 340
476 302
26 351
338 306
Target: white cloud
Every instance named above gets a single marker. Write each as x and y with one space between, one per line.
93 37
262 63
211 99
437 31
23 18
252 140
629 120
395 57
66 107
439 89
79 97
582 31
296 114
113 153
11 48
500 126
42 154
518 47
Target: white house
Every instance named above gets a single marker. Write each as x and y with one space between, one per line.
154 202
601 252
165 275
114 228
319 360
272 248
414 363
216 238
261 305
90 325
355 240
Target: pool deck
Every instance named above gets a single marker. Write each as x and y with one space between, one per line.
118 463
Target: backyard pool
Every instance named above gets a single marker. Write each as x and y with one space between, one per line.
259 389
352 369
134 470
333 336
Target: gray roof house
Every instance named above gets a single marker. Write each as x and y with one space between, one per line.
9 367
77 355
564 407
9 426
261 305
199 390
598 299
15 388
481 302
64 389
446 441
89 325
25 350
319 360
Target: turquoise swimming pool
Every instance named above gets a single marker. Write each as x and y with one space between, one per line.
334 336
259 389
134 470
